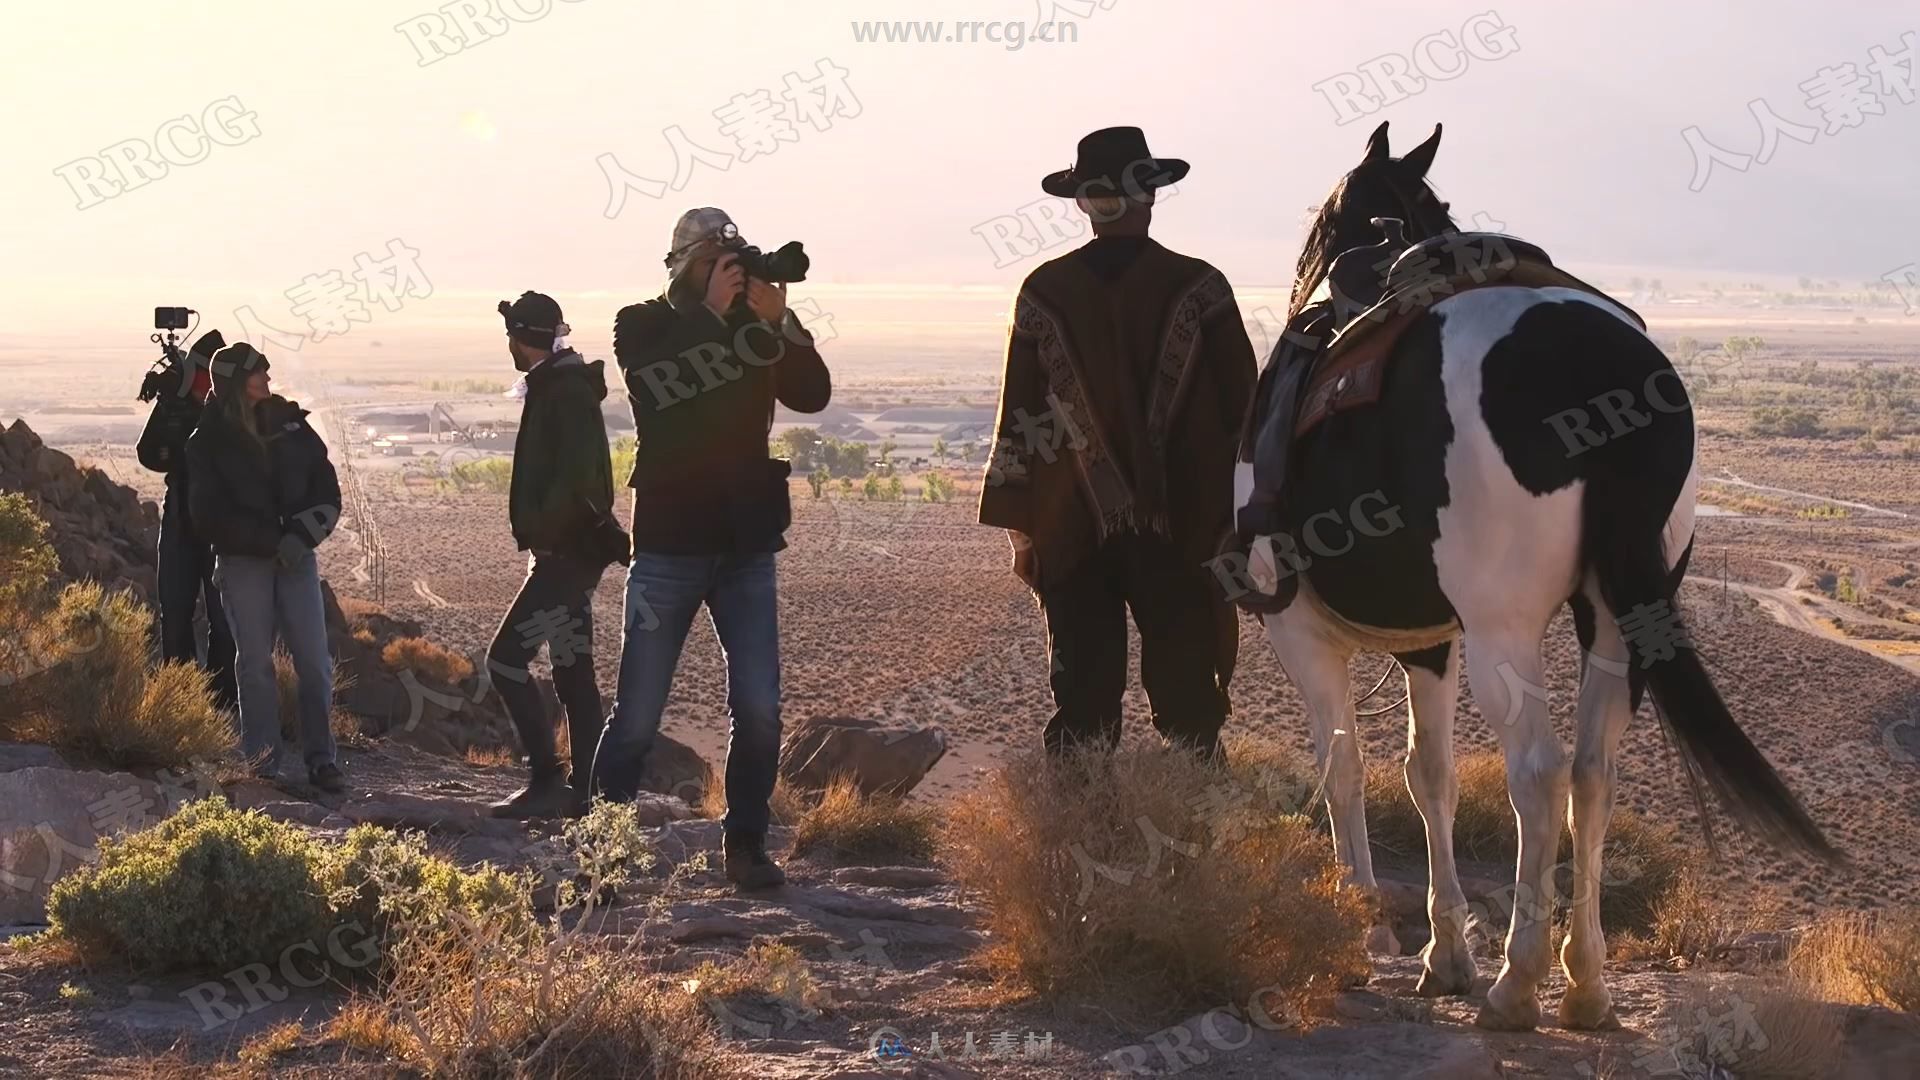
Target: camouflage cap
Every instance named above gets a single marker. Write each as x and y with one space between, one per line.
698 226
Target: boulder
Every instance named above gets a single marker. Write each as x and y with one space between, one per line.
676 769
51 820
29 755
881 757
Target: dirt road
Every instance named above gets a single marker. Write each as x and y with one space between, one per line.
1794 606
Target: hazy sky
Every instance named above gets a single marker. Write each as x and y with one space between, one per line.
1563 121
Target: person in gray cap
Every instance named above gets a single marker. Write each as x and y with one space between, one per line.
705 364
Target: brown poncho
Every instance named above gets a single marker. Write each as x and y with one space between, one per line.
1120 409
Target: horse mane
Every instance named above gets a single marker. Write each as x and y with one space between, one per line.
1315 254
1343 222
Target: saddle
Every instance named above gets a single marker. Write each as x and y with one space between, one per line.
1334 355
1350 371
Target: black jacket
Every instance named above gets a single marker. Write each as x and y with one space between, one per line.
163 442
703 394
245 495
562 477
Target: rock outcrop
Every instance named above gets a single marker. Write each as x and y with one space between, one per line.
101 530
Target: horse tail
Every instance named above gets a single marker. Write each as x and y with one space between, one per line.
1622 526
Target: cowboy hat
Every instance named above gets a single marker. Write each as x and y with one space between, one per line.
1113 161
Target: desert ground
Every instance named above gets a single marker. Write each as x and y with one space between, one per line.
907 609
1803 597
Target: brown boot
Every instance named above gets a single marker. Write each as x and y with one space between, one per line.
545 797
748 865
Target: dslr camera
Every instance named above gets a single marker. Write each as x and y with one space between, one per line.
788 263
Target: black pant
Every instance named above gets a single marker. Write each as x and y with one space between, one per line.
1187 645
555 609
184 576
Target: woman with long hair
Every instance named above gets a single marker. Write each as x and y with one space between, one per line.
265 495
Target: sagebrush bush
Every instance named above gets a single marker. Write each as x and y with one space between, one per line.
94 693
849 825
768 969
212 888
206 890
477 996
1134 881
27 559
387 882
435 663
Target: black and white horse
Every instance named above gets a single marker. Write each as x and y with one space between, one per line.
1477 518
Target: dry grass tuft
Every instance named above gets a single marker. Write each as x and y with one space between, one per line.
259 1051
288 685
1483 825
1102 879
788 806
434 663
478 996
1693 922
95 696
846 824
1754 1030
1644 861
491 756
1863 959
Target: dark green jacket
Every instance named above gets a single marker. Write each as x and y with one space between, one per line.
562 475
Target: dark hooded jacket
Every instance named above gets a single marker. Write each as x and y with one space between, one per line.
703 394
247 494
562 475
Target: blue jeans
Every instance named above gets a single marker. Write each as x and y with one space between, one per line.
262 596
664 593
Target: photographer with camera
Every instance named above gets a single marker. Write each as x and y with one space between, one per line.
561 509
178 386
265 496
704 365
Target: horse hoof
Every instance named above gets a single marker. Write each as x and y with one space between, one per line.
1588 1012
1522 1014
1492 1019
1445 970
1434 984
1381 942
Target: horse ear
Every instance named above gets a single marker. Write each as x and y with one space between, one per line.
1420 158
1377 143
